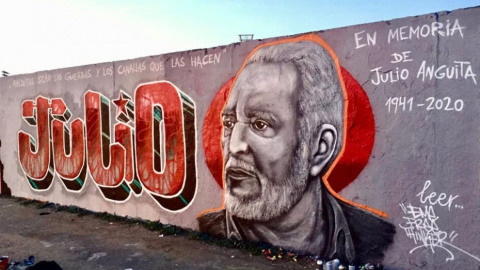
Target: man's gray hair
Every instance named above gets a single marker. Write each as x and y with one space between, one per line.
320 97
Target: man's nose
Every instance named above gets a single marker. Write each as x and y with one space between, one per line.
238 143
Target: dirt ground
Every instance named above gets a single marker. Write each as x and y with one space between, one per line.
77 241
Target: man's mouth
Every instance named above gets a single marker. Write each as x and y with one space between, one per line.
239 174
242 183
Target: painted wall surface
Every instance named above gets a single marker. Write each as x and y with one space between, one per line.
359 143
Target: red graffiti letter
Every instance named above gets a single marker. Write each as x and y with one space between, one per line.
160 138
68 164
106 167
35 156
69 155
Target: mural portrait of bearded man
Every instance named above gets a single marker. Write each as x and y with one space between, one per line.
282 130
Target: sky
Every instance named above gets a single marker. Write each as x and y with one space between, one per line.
51 34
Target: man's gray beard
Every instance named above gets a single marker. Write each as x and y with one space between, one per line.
275 198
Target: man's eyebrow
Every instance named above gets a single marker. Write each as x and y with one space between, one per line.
263 114
228 113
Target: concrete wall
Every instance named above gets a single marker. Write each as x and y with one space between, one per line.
394 177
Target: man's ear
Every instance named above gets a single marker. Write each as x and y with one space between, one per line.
324 148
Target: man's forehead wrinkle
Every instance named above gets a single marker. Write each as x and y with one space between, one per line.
258 103
262 114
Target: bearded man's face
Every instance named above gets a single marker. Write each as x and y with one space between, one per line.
266 166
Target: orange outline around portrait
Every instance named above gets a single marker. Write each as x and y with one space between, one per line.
311 38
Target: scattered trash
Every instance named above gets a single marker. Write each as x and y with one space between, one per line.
136 254
370 266
336 265
44 213
18 266
46 244
272 258
29 264
161 235
97 256
30 260
22 265
3 262
232 256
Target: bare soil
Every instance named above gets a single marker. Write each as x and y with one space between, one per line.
79 241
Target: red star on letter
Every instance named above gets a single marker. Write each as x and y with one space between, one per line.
121 105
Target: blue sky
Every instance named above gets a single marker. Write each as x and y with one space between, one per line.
50 34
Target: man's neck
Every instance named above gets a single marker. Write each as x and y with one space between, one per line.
302 228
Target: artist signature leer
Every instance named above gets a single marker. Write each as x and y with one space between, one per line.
420 223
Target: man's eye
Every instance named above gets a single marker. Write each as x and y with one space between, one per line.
260 125
228 124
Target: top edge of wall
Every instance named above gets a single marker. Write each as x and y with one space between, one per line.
437 14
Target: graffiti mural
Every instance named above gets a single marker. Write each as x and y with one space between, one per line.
359 143
284 127
420 223
156 156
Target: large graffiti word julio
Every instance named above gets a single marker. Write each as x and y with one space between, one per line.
420 223
158 155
